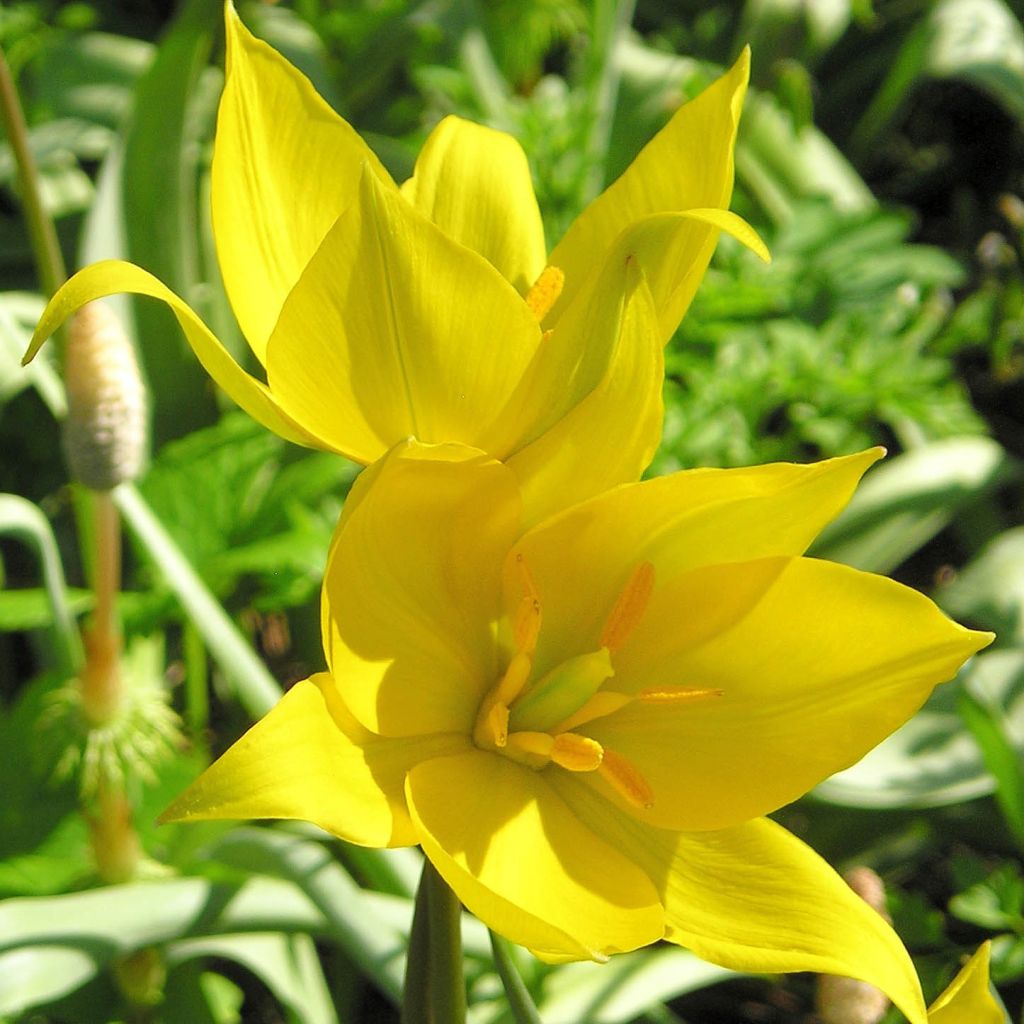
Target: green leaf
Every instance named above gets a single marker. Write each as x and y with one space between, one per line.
161 155
625 987
19 312
30 977
256 688
907 500
988 725
21 519
990 589
981 41
995 903
286 964
31 608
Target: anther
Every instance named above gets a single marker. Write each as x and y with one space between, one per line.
629 608
544 292
576 753
676 695
527 624
626 780
533 748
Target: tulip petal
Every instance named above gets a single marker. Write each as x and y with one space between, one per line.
474 183
519 859
394 330
611 436
413 585
109 277
285 166
678 523
688 165
308 759
968 1000
826 662
755 898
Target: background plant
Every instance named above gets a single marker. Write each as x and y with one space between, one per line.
880 155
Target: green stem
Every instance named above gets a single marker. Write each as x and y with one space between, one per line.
447 986
435 988
416 993
519 1000
42 234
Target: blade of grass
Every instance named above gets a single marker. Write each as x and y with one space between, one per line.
255 687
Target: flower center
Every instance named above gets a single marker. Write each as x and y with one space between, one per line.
535 722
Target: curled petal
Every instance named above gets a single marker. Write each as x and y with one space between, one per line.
109 277
688 165
611 435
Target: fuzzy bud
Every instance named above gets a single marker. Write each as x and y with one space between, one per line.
105 431
846 1000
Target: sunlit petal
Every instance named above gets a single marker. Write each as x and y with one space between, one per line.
754 898
412 588
688 165
816 664
474 183
394 330
309 759
518 858
678 522
285 165
968 1000
611 435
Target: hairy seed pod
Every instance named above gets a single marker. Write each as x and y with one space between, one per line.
105 430
846 1000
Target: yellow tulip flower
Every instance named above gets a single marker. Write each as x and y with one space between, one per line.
431 310
583 724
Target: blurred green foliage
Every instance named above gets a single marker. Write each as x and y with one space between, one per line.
881 156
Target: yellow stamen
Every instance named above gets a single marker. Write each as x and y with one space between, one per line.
629 608
514 679
604 702
531 747
491 729
527 624
544 292
576 753
676 695
626 780
525 576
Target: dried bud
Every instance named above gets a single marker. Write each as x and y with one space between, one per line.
1012 208
105 431
846 1000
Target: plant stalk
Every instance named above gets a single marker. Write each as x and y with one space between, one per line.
435 988
42 234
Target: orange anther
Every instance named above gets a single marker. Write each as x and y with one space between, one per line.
544 292
629 607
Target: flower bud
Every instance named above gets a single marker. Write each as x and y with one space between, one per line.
105 431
